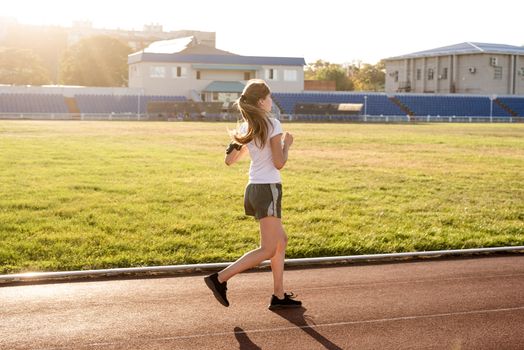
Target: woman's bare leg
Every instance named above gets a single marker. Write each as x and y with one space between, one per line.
277 261
272 239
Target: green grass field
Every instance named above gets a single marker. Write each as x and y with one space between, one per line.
89 195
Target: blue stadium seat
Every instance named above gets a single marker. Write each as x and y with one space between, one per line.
32 103
438 105
119 103
376 104
515 103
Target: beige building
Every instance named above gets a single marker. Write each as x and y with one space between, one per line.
466 68
185 67
136 39
50 42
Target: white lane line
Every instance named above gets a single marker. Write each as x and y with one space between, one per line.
335 324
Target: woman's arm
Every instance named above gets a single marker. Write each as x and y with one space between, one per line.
279 151
236 155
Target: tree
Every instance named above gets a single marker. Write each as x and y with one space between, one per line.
47 42
312 69
323 70
22 67
369 77
96 61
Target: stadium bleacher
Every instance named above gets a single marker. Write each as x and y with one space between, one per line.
32 103
374 104
436 105
185 108
382 105
119 103
516 104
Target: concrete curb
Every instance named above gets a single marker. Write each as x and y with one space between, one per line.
193 268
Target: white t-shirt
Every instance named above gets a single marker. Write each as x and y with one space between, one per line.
262 170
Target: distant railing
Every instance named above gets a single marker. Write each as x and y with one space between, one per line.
118 116
398 119
234 117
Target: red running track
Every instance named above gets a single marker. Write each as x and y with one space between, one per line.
471 303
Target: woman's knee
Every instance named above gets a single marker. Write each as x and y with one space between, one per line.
283 241
267 251
273 235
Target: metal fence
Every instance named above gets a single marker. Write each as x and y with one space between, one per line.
284 117
398 119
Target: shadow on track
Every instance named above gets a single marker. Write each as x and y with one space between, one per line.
300 319
243 340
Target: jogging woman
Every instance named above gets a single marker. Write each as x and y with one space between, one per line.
262 138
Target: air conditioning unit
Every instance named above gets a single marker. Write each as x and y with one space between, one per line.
472 70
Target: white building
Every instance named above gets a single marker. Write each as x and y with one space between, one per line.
198 71
466 68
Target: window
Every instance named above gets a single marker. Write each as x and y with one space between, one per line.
179 72
445 73
271 74
497 73
290 75
493 61
247 75
215 96
198 75
157 72
396 76
431 74
418 74
134 70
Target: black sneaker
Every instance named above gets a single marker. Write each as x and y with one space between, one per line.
285 303
219 289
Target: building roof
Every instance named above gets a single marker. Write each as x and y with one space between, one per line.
225 67
186 45
202 49
224 86
465 48
214 59
169 46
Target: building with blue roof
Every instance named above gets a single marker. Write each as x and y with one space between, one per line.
204 73
465 68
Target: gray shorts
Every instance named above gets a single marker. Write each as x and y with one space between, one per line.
261 200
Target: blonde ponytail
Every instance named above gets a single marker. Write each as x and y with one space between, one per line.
256 118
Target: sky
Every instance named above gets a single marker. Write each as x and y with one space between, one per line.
335 31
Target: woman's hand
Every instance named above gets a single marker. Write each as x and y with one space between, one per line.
279 149
235 155
288 139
